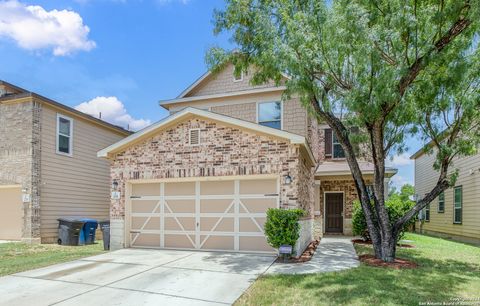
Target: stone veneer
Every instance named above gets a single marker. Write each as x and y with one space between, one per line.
224 151
20 158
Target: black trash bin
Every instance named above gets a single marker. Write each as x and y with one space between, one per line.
87 235
69 231
105 227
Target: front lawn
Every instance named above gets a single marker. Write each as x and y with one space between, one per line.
17 257
447 270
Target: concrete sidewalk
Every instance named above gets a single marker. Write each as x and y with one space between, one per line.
334 253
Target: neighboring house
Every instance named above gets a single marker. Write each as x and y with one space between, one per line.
456 212
204 177
48 165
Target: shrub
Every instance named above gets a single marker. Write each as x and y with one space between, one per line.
282 226
396 208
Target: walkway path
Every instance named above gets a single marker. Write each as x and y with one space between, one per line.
334 253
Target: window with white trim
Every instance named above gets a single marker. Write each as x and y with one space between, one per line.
270 114
194 137
337 148
64 135
457 204
441 202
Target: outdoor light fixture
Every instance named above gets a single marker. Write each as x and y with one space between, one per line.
114 185
288 179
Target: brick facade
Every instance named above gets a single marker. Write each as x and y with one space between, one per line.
20 158
224 151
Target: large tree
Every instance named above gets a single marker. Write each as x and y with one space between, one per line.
393 68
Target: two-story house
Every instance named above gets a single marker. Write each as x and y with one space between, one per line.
204 177
48 165
455 213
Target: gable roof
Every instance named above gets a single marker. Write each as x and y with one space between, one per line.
184 95
190 111
19 93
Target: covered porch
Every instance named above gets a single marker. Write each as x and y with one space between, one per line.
335 193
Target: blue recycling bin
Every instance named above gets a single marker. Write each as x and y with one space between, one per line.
87 234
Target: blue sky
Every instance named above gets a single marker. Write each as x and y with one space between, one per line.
133 53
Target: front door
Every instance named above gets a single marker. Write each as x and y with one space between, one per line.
334 212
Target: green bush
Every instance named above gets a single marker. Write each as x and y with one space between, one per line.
282 226
396 208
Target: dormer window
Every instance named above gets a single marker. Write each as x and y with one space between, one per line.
270 114
238 77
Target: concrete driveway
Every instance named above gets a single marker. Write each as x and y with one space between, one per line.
138 277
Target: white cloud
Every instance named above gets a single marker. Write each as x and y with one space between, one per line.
34 28
400 160
398 181
112 110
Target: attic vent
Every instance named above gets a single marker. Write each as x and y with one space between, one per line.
194 137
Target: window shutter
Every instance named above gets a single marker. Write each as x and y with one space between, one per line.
194 137
328 142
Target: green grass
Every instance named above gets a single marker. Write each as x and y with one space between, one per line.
447 270
17 257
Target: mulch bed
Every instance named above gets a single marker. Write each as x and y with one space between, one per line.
306 255
369 242
399 263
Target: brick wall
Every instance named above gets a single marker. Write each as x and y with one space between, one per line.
224 151
20 157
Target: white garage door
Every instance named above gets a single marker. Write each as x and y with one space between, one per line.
226 215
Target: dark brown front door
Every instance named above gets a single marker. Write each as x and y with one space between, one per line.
334 212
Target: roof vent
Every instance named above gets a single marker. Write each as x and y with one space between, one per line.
194 137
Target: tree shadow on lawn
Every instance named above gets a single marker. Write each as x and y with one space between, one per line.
433 280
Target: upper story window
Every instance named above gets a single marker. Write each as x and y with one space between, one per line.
64 135
441 202
238 78
457 204
333 149
270 114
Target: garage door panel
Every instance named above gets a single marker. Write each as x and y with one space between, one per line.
179 241
180 189
150 206
255 244
145 240
180 206
209 215
217 188
223 224
216 206
145 189
257 205
146 223
258 187
248 225
176 224
11 217
217 242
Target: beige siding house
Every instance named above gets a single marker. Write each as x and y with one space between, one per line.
49 168
204 177
455 213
